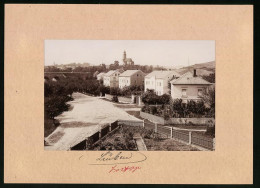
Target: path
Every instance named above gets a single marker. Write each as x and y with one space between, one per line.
87 116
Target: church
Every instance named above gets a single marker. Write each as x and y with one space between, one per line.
127 61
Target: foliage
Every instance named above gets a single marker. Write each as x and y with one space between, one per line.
150 97
115 91
115 99
210 78
208 97
177 109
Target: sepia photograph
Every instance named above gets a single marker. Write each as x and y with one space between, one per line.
129 95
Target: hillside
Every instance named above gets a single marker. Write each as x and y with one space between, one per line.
202 68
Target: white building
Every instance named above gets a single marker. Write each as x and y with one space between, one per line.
111 78
188 87
130 78
159 80
100 76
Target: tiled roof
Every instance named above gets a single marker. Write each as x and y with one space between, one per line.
189 79
129 73
162 74
101 74
109 73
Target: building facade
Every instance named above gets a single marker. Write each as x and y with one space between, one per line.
111 78
189 87
159 81
100 76
131 78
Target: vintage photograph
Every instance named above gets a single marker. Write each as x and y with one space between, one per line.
129 95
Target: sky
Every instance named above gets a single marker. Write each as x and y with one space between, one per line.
142 52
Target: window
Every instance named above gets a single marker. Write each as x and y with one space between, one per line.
199 92
184 92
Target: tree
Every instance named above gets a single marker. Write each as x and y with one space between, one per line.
149 97
210 78
208 98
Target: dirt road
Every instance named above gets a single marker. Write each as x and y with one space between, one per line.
86 117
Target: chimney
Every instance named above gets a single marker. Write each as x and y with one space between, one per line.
194 73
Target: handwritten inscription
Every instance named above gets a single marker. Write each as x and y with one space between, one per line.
124 169
108 156
118 157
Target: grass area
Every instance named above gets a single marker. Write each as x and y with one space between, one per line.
200 127
127 106
163 144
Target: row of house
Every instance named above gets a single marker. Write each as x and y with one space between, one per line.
188 86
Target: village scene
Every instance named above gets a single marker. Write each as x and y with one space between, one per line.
130 105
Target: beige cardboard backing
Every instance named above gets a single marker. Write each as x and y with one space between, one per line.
26 28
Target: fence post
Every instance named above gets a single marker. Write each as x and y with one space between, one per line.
155 128
109 127
190 138
139 100
143 122
171 132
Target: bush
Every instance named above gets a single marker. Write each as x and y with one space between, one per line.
115 99
153 110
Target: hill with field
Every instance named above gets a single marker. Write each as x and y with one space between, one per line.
202 68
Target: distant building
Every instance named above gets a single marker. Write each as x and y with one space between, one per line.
127 61
111 78
130 78
100 76
189 87
159 81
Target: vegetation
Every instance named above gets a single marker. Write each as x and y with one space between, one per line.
127 91
57 94
166 107
177 109
210 78
150 98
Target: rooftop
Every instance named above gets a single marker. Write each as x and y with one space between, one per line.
100 74
162 74
129 73
109 73
189 79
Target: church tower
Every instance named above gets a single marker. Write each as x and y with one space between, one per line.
124 58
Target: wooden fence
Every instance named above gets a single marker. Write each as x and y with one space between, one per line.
183 136
102 133
186 136
203 142
131 122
